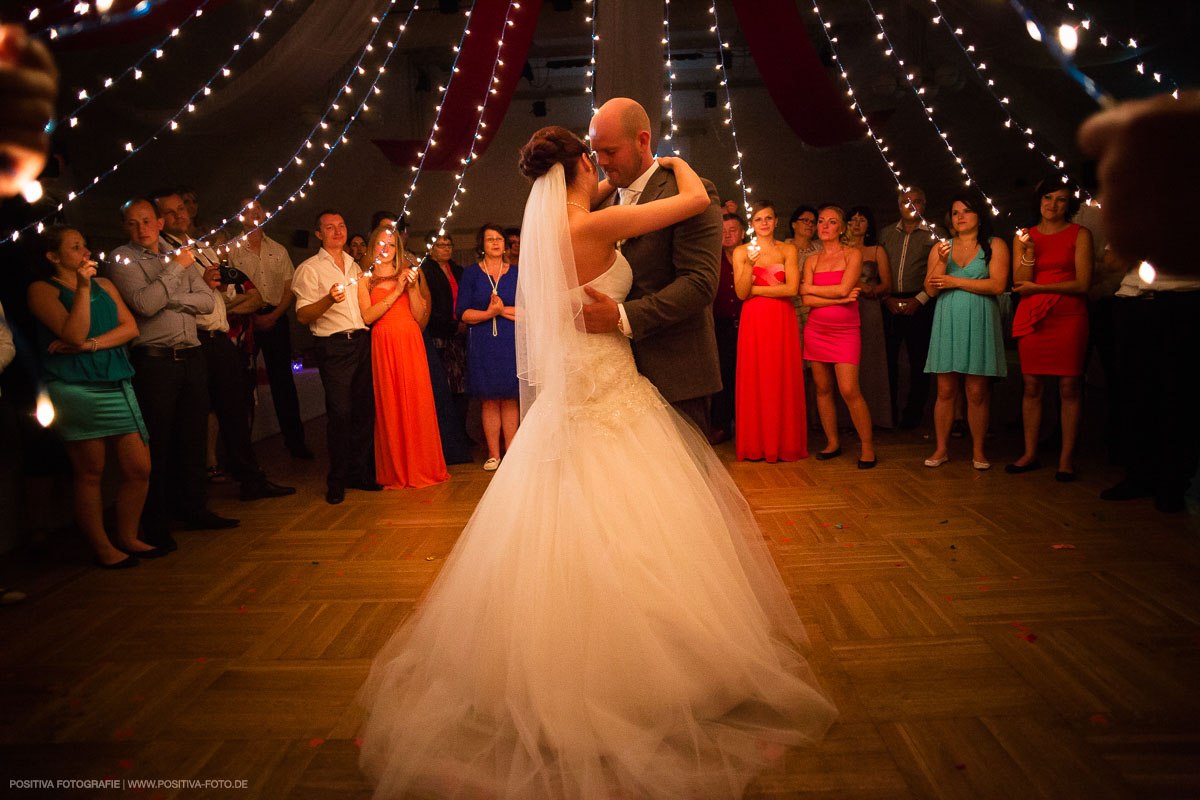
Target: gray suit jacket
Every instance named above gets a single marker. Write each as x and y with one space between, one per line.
675 273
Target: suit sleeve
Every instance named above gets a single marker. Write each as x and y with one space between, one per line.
696 257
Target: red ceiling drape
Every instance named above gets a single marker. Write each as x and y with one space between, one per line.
460 107
801 86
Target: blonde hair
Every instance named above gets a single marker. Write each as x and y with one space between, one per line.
373 241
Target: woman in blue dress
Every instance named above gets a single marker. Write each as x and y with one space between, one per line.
967 345
486 299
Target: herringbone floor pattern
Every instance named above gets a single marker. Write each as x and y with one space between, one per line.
984 635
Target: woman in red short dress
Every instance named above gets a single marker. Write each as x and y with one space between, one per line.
1052 269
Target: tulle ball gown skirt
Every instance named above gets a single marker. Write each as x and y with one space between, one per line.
609 625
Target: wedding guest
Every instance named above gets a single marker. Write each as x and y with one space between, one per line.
770 421
82 336
908 311
394 301
486 296
832 337
269 266
1053 269
876 284
446 350
342 348
727 307
512 245
226 358
357 248
166 292
967 343
803 224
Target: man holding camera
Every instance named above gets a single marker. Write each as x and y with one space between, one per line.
235 298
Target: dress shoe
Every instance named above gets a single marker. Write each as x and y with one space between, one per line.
256 490
715 437
491 465
208 521
981 465
335 495
153 552
366 486
124 563
1125 490
834 453
301 451
1021 469
1062 476
936 462
868 464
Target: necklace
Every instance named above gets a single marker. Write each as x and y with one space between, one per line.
573 203
495 282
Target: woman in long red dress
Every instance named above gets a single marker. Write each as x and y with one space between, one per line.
769 401
1052 270
395 302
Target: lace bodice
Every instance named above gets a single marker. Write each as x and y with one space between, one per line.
607 386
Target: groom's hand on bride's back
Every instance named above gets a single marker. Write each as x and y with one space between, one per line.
601 315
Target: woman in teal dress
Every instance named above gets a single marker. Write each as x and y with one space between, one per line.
967 345
83 331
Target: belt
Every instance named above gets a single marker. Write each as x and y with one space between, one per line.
174 353
354 334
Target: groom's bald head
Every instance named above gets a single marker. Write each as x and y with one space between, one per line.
620 135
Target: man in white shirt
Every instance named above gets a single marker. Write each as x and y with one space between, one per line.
342 346
269 266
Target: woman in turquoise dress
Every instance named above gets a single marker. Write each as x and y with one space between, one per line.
82 335
967 345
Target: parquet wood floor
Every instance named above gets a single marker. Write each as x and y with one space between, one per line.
984 635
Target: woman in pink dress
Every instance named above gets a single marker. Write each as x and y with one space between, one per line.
769 404
832 336
395 303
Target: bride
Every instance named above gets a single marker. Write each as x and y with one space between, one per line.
610 623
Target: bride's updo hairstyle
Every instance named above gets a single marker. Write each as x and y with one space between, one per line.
550 146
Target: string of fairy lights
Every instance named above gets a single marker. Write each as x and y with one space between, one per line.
172 124
322 127
672 126
431 141
722 67
135 69
82 10
1107 40
590 83
880 145
968 50
889 50
479 123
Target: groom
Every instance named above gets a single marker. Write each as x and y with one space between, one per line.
668 313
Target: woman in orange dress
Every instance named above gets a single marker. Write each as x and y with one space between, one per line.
1052 269
395 303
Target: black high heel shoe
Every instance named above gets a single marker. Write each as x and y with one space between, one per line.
837 451
124 563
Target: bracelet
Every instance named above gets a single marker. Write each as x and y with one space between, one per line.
95 343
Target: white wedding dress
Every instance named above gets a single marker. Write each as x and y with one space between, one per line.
609 625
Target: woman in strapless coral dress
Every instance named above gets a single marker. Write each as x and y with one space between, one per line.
770 373
408 446
832 339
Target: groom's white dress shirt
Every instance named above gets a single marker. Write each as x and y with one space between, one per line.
628 197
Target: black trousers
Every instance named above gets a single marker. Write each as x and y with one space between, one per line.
172 390
1158 390
913 333
275 343
344 363
228 399
726 331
